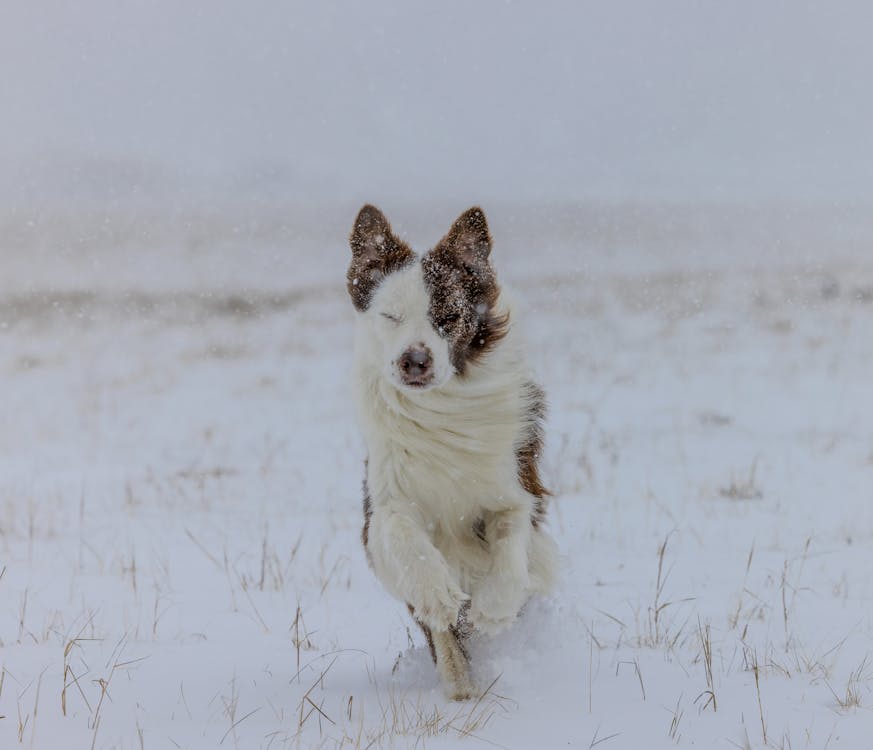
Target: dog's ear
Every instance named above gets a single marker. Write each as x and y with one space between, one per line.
468 241
469 238
376 252
370 233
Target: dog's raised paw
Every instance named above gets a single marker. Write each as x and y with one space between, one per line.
438 606
495 606
489 623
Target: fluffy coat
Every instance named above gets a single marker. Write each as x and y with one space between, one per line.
453 501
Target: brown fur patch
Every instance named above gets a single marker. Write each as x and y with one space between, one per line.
376 252
462 630
368 513
463 290
479 529
427 633
528 454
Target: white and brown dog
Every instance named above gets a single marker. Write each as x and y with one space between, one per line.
453 503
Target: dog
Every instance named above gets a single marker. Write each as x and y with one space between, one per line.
453 427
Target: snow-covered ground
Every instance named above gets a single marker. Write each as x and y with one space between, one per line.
180 563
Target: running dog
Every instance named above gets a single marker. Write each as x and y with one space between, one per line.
453 426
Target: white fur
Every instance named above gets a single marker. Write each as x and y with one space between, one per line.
397 320
441 458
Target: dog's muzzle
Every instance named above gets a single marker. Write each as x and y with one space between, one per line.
416 366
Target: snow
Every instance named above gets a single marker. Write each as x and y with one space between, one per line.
679 195
180 502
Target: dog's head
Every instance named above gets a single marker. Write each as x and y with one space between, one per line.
428 318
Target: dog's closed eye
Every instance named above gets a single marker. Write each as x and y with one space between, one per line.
448 320
396 319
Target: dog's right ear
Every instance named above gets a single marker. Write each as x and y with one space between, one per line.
376 252
369 233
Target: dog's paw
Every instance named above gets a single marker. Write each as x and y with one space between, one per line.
438 606
488 623
495 604
460 690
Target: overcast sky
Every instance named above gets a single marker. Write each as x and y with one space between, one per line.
480 100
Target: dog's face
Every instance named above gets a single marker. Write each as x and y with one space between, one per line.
431 317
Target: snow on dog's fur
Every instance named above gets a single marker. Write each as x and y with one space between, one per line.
453 503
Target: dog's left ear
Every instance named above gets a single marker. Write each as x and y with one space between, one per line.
469 238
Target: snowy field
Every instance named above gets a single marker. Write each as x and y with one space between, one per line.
180 505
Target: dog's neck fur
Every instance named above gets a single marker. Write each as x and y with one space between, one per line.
466 431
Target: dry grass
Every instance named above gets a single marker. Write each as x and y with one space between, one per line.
81 307
405 717
676 716
598 740
659 631
707 697
636 665
743 488
850 696
734 618
397 716
756 671
789 591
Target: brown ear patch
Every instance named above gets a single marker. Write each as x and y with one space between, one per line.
464 291
469 237
376 252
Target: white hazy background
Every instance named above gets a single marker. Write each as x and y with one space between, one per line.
490 101
680 196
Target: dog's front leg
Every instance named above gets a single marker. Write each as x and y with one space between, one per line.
452 665
451 661
501 592
412 569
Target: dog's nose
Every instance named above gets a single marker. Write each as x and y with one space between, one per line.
416 365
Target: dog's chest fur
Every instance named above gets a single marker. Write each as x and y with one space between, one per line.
447 452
